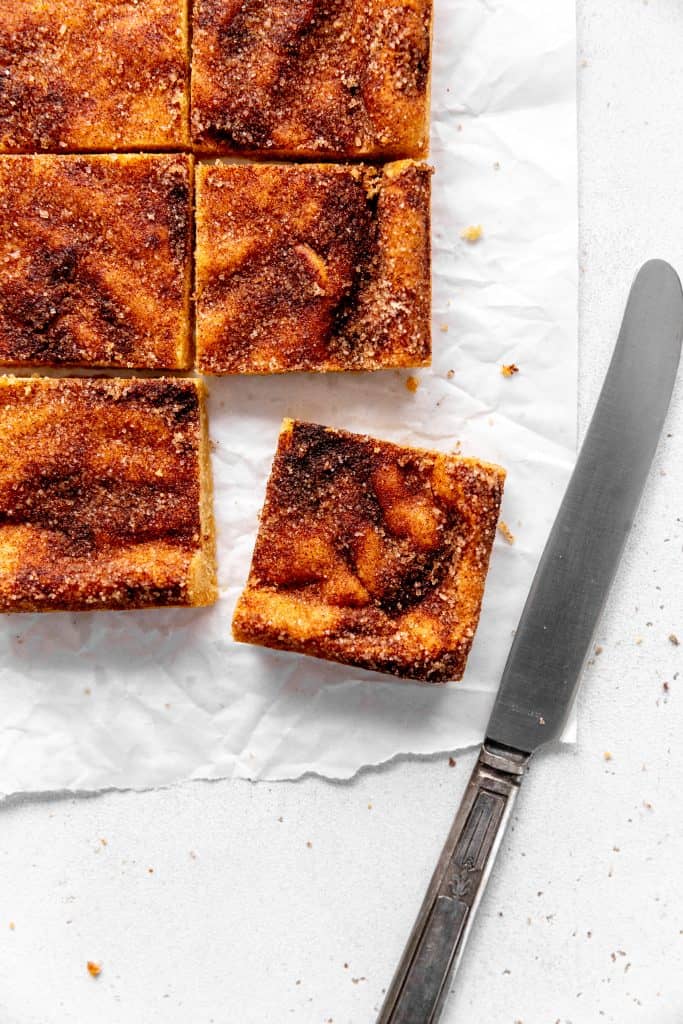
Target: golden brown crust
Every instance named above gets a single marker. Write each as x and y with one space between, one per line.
100 495
93 75
95 255
313 267
336 78
370 553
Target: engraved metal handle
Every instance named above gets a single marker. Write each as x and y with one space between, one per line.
420 985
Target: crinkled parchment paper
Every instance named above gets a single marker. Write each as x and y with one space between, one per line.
142 699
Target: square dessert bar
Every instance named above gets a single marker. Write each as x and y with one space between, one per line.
371 553
93 75
312 78
105 495
313 267
95 256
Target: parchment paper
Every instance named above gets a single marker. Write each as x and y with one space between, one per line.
142 699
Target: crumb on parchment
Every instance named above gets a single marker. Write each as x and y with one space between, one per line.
94 969
607 755
674 639
412 384
472 234
509 369
506 532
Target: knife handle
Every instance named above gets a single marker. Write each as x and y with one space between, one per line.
420 984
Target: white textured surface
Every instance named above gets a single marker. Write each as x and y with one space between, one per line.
225 936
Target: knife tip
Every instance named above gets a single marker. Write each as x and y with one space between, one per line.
659 268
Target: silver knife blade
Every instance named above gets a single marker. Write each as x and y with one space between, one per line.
555 631
583 550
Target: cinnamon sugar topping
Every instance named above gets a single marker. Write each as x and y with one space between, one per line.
312 267
336 78
93 75
85 522
371 553
95 260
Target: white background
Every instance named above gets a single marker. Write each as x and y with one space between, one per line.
241 921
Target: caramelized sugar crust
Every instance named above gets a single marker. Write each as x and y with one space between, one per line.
95 260
313 267
337 78
105 495
93 75
371 554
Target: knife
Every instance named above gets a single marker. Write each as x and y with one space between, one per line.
554 633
